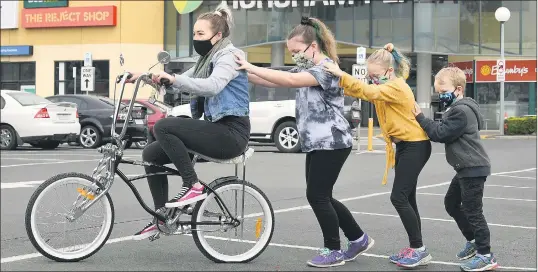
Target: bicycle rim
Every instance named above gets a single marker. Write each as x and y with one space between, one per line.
258 225
80 248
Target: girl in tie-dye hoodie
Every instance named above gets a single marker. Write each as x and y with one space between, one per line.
324 133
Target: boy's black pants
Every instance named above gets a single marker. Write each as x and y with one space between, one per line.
463 201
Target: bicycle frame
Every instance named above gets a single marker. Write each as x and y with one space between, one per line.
112 158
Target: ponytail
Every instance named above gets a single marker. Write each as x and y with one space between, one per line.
312 29
221 19
391 57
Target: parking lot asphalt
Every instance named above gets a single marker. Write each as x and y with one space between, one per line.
509 207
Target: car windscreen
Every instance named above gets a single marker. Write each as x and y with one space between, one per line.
28 99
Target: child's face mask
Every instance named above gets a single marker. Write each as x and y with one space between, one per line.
302 61
448 98
379 79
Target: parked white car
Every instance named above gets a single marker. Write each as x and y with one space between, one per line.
272 115
28 118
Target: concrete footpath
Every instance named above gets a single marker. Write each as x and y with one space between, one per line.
486 134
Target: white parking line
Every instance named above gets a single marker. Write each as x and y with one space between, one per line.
34 183
34 255
443 220
513 172
43 163
30 159
487 197
509 186
518 177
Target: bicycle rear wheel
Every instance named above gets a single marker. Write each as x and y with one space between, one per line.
258 224
79 186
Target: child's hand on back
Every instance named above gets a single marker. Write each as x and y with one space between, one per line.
416 110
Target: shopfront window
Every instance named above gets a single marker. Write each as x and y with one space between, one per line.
516 97
64 83
17 74
528 28
469 27
392 22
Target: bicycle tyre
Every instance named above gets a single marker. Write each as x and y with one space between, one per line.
209 252
102 238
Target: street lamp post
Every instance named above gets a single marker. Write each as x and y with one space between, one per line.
502 15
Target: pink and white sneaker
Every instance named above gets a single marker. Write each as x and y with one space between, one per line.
148 231
187 195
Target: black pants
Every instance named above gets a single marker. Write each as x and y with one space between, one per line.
410 159
322 170
173 136
463 201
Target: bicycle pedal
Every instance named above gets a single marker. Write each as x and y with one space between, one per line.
154 237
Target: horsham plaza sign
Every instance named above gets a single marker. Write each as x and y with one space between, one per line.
295 3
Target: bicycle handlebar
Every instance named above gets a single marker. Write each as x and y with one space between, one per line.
122 79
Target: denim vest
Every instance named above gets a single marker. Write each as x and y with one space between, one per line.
232 100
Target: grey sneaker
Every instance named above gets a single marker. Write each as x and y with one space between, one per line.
355 249
467 252
480 263
327 258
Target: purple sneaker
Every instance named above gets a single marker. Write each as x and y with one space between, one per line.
354 249
327 258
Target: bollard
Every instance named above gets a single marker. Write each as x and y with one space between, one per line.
370 133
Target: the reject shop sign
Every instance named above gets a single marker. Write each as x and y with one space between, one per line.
466 67
516 71
69 17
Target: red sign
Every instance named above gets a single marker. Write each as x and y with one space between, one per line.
466 67
69 17
515 70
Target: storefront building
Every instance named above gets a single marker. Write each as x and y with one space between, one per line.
432 33
44 41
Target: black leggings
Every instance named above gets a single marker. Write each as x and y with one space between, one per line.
410 159
174 135
322 170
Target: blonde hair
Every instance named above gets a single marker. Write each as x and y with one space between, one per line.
454 75
312 29
391 57
221 19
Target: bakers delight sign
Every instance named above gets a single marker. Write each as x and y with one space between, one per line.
516 71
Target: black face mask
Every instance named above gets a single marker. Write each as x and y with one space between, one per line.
202 47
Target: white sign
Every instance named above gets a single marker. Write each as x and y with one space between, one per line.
88 59
87 79
501 70
361 55
359 71
9 14
74 72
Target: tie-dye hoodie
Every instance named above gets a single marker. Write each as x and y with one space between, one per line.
319 111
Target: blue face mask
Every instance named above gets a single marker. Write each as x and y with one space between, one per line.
447 98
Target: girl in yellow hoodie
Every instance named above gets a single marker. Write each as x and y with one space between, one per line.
394 101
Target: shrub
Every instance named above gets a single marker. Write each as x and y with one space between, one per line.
520 125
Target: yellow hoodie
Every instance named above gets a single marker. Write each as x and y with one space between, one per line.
394 102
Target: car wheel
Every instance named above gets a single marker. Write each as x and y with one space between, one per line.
8 138
46 144
90 137
286 137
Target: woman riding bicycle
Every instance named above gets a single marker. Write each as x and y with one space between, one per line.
223 99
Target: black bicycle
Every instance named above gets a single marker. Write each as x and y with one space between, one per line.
88 198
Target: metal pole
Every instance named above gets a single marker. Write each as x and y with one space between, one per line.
501 126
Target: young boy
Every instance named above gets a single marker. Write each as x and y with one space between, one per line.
459 131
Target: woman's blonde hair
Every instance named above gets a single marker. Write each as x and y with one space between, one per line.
391 57
312 29
221 19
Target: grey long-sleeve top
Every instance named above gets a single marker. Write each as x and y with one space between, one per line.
224 70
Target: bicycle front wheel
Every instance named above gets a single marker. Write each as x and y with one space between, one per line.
49 239
241 243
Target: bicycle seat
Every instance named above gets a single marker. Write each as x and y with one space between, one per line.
237 160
